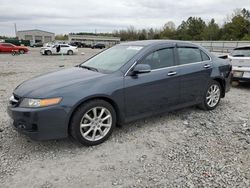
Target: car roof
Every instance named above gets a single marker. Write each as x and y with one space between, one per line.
156 42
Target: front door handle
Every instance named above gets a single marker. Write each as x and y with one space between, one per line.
172 73
207 66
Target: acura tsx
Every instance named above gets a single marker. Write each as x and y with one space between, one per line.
126 82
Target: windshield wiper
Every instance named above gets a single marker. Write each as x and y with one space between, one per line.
89 68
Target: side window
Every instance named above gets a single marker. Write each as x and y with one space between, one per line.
64 46
189 55
204 56
7 45
160 58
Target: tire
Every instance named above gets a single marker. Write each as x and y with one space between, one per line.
215 96
70 52
48 52
84 123
21 51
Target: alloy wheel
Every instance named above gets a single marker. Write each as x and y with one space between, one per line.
95 123
213 95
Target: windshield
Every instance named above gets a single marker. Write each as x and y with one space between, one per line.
113 58
241 52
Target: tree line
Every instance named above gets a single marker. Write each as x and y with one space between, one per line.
236 27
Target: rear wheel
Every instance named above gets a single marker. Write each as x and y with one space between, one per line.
93 122
212 96
70 52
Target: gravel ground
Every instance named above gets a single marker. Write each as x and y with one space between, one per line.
185 148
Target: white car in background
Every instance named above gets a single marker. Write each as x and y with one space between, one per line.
58 49
240 59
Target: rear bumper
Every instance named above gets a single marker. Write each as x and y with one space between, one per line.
241 75
40 124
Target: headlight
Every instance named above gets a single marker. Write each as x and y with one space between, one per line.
36 103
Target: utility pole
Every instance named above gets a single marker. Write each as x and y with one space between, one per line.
15 29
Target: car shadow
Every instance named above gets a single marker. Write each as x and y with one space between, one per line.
70 145
243 85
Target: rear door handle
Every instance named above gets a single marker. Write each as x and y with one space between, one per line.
172 73
207 66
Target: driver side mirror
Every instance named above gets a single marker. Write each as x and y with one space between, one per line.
141 68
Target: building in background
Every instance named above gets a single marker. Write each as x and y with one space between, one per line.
36 35
94 39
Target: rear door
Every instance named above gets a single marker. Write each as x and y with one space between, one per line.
155 91
196 68
64 48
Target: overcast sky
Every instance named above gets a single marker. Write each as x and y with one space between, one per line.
64 16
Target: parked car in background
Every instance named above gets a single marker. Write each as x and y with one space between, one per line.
59 49
9 48
18 42
98 45
37 44
121 84
240 59
78 44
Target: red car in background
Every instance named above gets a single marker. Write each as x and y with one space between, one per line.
8 48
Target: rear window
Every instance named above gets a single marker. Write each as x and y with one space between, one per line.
64 46
189 55
7 45
241 52
204 56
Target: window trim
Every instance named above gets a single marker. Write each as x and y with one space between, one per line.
176 59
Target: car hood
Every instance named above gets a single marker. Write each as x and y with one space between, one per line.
44 85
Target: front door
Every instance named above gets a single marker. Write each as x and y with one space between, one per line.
155 91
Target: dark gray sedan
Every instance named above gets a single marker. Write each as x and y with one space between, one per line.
121 84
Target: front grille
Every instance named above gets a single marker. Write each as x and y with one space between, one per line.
14 100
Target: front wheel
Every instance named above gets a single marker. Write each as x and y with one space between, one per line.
93 122
212 96
48 52
21 51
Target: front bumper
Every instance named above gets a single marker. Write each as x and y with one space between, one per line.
41 123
